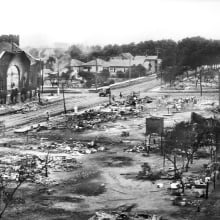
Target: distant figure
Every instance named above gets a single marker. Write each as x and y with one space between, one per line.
3 97
38 95
48 116
120 95
113 98
12 95
23 94
30 94
15 95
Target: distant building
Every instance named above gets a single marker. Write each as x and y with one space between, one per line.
18 69
154 63
76 65
121 63
151 63
96 65
116 65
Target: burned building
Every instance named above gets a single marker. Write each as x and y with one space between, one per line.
18 69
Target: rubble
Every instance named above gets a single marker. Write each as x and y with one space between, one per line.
124 216
140 148
72 147
19 108
92 118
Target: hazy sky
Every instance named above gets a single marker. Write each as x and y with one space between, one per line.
43 22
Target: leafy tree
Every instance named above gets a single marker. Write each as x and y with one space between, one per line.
183 141
138 71
50 63
53 79
121 74
111 51
34 52
75 52
169 74
28 171
89 77
105 74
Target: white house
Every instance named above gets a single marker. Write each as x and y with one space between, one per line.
96 65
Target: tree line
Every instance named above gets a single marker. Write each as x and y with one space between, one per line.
177 57
187 53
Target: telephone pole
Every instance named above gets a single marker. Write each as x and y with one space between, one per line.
96 64
219 88
58 78
42 76
64 101
157 53
130 70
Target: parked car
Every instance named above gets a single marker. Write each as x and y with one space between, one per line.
105 92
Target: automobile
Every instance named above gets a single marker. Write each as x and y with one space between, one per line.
104 92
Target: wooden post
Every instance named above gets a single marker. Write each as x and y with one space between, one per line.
207 190
42 77
64 102
214 179
96 63
200 77
219 89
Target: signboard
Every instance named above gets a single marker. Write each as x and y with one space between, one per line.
154 125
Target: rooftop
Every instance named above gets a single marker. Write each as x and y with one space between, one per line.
98 62
75 62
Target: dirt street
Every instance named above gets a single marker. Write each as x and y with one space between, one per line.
82 100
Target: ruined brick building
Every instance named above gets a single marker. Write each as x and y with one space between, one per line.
18 69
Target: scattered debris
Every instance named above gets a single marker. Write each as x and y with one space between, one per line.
116 215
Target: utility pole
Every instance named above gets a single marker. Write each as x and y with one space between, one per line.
64 101
130 70
96 64
219 88
200 78
42 76
157 53
58 78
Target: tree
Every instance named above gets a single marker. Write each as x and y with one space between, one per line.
103 76
75 52
183 140
50 63
53 79
89 77
28 171
186 135
34 52
136 71
45 163
121 74
171 151
170 73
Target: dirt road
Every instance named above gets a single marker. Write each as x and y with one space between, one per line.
83 100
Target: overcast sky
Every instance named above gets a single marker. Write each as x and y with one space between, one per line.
43 22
